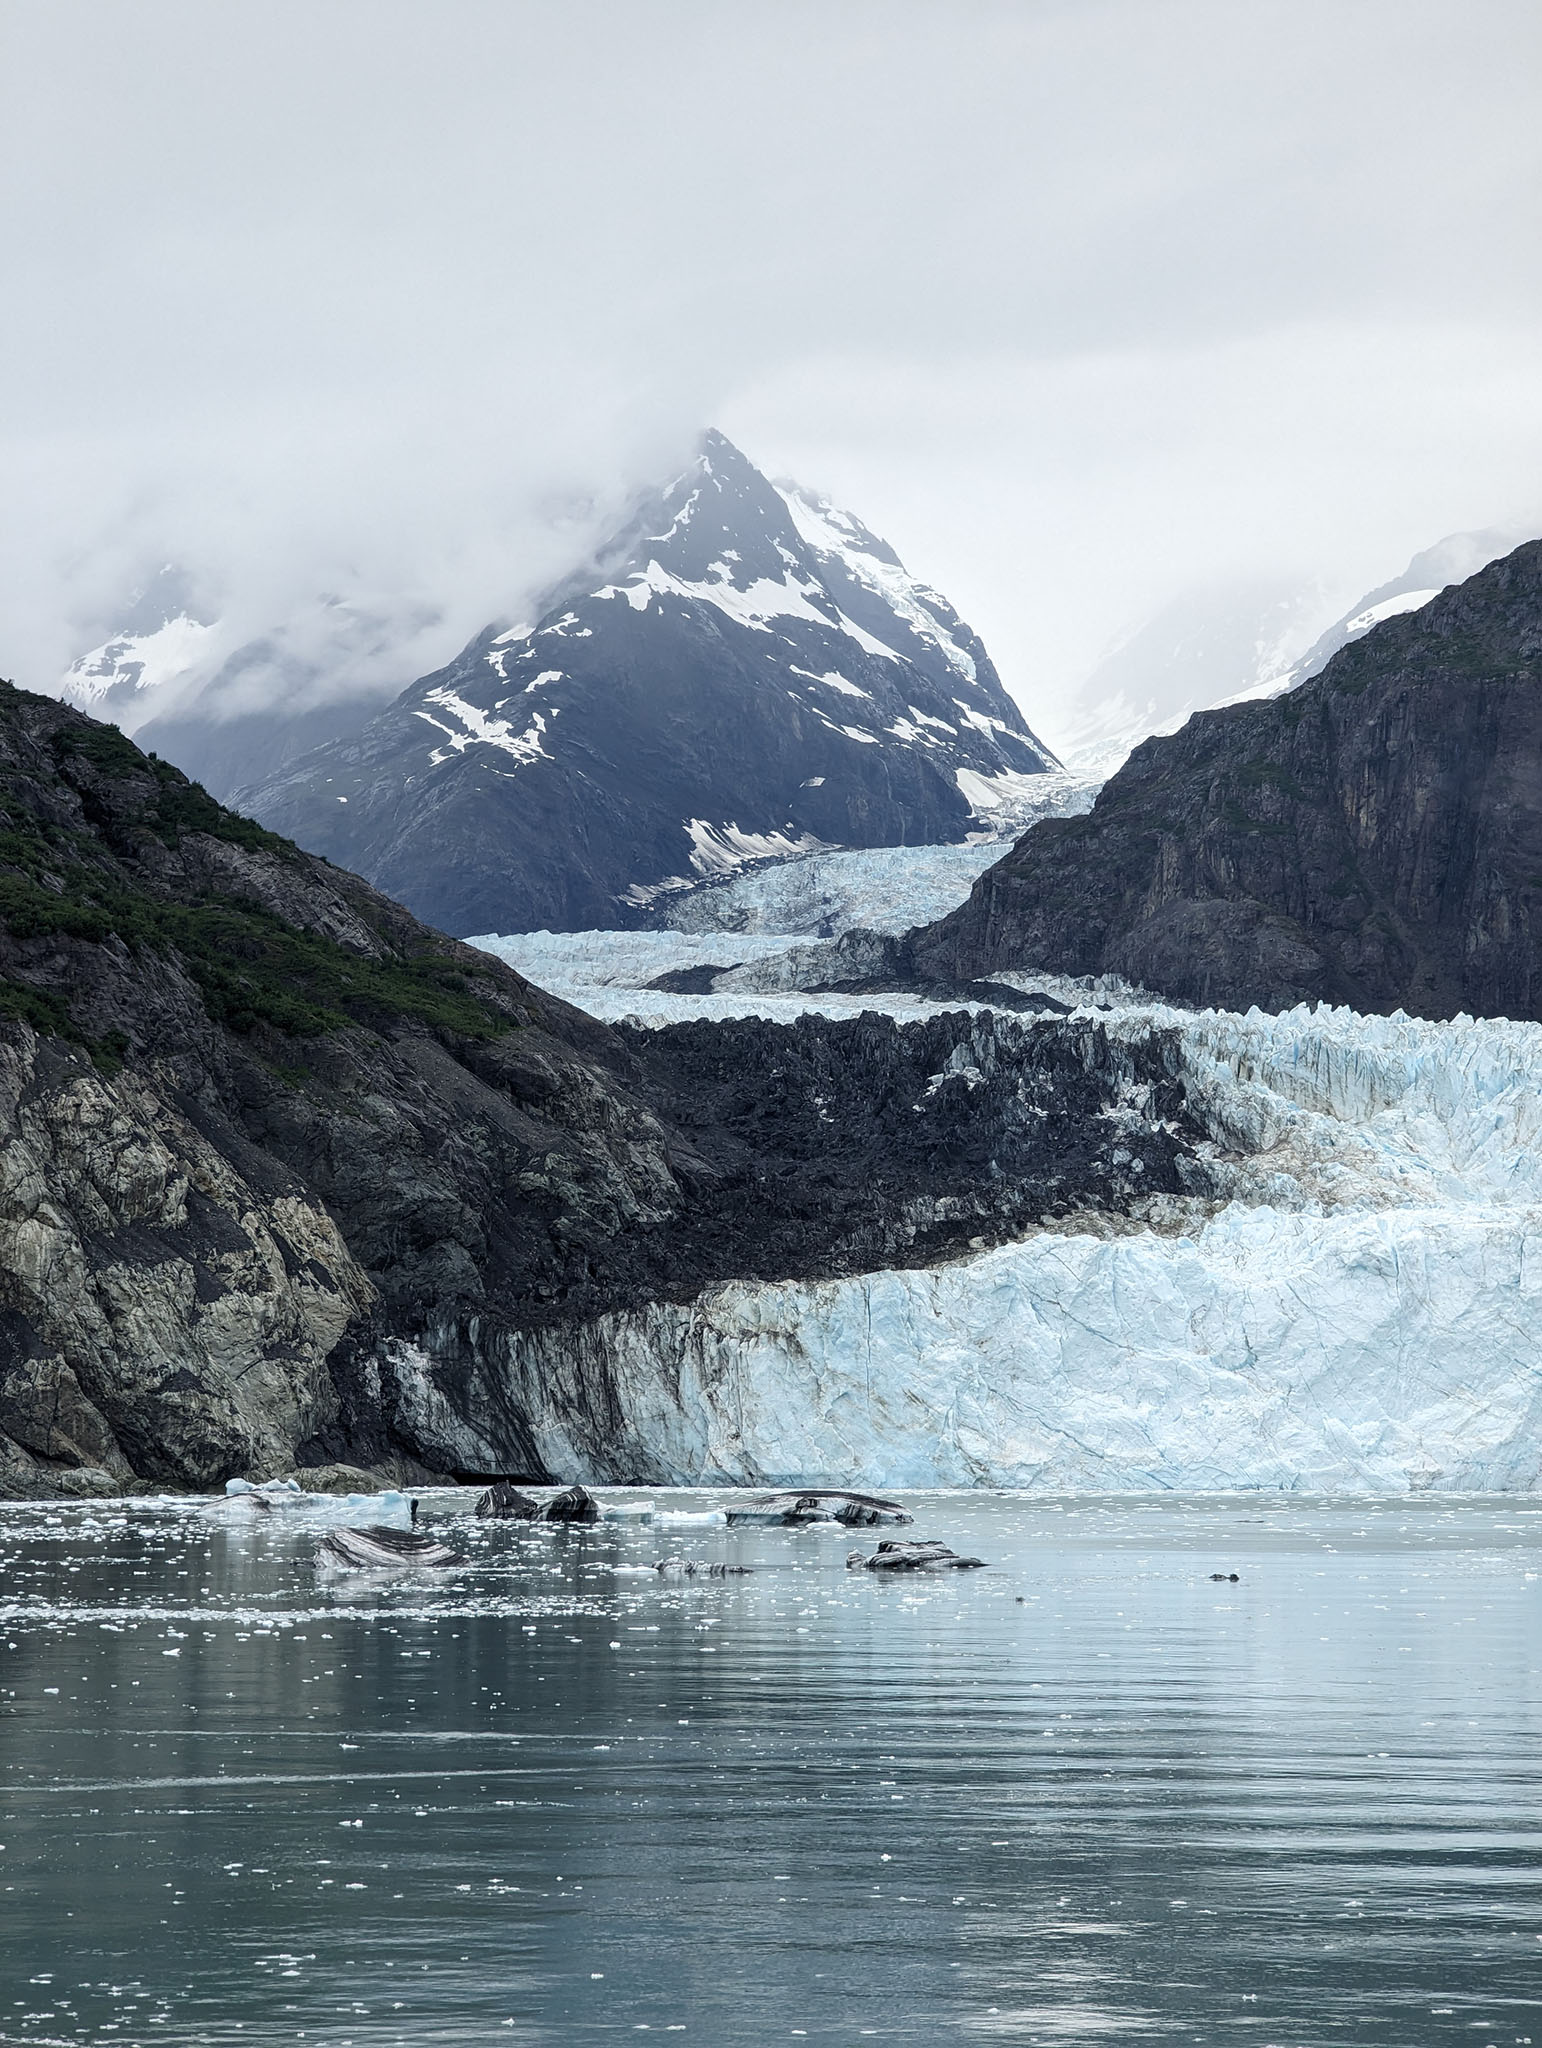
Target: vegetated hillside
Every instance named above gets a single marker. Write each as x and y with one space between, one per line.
1372 838
746 673
283 1171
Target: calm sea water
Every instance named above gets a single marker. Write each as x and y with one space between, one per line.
1088 1794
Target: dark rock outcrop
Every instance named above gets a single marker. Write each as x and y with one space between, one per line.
287 1177
1372 838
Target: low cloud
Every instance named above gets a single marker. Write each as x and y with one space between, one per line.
1080 303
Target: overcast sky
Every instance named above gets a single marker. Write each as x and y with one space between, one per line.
1081 304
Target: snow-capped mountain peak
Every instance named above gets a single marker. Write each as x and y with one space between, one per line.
744 672
160 641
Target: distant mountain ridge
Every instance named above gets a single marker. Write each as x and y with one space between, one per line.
227 705
747 672
161 637
1229 644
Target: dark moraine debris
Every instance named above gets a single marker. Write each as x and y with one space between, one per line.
505 1503
905 1556
821 1504
371 1549
576 1505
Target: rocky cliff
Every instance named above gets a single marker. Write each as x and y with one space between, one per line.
285 1175
1373 838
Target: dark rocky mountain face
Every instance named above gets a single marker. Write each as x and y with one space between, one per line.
285 1174
748 672
1373 838
222 753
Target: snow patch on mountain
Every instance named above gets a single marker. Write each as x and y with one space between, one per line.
724 849
139 662
1389 608
475 728
873 565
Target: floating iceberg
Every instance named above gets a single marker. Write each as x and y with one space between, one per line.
282 1501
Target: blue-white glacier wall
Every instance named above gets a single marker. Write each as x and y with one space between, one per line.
1364 1313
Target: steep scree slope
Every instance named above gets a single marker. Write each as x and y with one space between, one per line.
283 1172
1373 838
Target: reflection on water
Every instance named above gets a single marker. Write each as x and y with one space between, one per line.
1088 1794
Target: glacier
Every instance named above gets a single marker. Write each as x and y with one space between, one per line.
1356 1309
1353 1307
1361 1353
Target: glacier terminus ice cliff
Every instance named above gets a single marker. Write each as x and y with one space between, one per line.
1351 1304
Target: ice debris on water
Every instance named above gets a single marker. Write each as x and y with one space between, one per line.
697 1568
821 1504
577 1504
505 1503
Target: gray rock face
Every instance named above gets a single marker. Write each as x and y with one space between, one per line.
252 1119
1372 838
168 1320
